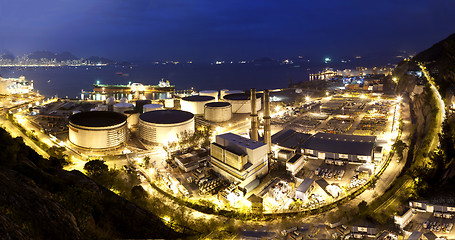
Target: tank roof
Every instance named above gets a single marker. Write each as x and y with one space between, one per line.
208 91
217 104
166 116
123 104
153 105
198 98
97 118
240 96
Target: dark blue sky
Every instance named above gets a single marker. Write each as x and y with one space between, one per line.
216 29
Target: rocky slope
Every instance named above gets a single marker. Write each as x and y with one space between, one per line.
41 201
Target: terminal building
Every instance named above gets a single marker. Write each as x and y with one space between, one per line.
239 159
15 86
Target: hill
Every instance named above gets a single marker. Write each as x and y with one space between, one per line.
39 200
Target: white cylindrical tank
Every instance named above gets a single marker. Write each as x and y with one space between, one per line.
163 126
227 92
101 108
169 103
152 107
241 102
195 104
110 101
223 92
132 118
97 129
122 107
218 111
212 93
123 100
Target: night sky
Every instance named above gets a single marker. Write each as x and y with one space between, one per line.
208 30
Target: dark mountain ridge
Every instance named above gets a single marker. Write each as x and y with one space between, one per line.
41 201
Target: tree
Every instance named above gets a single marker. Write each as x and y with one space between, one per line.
146 161
96 168
363 206
400 146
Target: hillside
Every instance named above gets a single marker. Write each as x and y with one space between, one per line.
38 200
440 60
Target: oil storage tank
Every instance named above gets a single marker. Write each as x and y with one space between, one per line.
132 118
218 111
169 103
195 104
241 102
227 92
213 93
152 107
140 105
122 107
97 129
162 126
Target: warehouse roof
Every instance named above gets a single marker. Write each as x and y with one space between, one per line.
289 138
305 185
97 118
241 141
340 143
217 104
198 98
166 116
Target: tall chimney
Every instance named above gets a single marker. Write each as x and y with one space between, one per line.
254 116
267 127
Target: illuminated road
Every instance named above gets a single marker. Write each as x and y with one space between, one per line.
15 132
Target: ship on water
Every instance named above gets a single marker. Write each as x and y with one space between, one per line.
162 86
130 91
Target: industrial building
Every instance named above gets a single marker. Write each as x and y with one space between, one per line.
15 86
218 111
334 147
304 190
239 159
195 104
295 164
350 148
97 129
162 126
241 102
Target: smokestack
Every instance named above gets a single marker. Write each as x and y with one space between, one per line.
254 116
267 127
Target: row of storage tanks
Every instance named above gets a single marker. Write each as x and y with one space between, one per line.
207 104
102 129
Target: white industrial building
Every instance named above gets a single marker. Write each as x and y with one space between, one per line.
241 102
195 104
163 126
304 190
295 164
239 159
15 86
218 111
97 129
